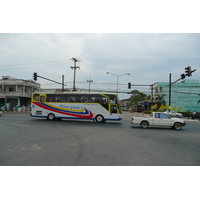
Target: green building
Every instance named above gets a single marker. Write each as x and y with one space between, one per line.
185 95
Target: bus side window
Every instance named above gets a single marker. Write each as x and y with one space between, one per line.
36 97
104 102
41 98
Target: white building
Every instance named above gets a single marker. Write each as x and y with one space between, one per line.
16 93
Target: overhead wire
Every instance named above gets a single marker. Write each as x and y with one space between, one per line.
80 73
53 61
102 60
99 60
35 64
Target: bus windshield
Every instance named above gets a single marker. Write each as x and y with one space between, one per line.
113 98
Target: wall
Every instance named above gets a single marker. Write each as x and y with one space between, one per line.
184 94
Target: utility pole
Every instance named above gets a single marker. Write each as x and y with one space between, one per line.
151 94
89 83
170 90
74 68
63 83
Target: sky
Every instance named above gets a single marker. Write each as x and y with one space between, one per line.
147 42
148 57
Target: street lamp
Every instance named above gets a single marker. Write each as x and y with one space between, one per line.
117 77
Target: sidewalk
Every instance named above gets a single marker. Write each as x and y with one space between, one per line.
15 112
190 120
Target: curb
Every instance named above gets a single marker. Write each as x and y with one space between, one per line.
15 112
192 120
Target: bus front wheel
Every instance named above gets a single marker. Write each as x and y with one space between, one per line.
99 119
51 116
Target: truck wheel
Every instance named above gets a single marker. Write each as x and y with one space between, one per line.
178 126
99 119
51 116
144 124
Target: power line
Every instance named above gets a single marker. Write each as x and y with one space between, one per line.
35 63
153 60
9 67
104 60
186 92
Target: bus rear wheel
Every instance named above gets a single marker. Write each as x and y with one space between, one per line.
51 116
99 119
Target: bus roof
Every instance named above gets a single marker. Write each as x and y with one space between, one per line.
72 93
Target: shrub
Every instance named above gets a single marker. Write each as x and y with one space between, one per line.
147 111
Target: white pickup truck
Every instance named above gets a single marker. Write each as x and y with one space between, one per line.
158 119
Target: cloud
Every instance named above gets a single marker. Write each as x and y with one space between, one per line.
148 57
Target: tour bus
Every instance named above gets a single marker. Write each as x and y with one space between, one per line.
87 106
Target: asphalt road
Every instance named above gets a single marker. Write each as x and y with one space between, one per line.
27 141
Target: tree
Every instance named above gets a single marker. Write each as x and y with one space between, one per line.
160 100
136 97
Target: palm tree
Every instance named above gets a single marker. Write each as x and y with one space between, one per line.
159 99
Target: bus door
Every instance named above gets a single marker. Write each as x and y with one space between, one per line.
113 108
41 99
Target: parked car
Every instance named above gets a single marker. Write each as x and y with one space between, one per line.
173 114
195 115
1 113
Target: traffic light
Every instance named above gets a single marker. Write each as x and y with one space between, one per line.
129 85
35 76
188 71
182 76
